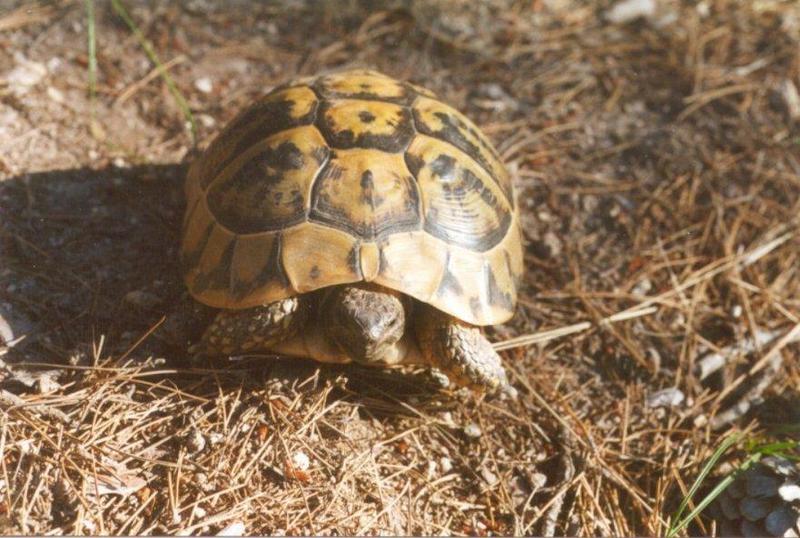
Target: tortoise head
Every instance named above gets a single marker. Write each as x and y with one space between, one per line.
365 322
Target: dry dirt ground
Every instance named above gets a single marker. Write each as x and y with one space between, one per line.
657 162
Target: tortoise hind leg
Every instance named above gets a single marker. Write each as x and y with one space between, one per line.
252 329
461 351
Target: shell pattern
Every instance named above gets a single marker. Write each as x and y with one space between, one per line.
352 177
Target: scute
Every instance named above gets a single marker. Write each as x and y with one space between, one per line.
366 192
351 177
268 186
350 123
362 84
461 204
434 118
273 113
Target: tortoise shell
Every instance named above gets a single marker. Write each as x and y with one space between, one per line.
353 177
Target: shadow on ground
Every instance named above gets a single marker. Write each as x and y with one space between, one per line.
90 256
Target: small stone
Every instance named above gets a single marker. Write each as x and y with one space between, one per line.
754 508
55 95
642 287
671 397
142 299
204 84
445 464
199 512
431 471
236 528
489 476
25 75
736 311
780 465
628 10
206 120
196 442
472 430
780 522
300 461
791 98
789 492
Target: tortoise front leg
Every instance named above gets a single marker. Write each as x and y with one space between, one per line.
461 351
252 329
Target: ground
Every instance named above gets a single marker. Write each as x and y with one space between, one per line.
657 165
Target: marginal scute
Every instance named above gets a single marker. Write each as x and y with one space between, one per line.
209 278
412 262
257 274
268 186
367 193
434 118
315 256
362 84
461 204
482 296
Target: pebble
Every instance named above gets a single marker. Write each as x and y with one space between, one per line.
196 442
199 512
489 476
55 95
204 84
25 75
670 397
472 430
142 299
628 10
789 492
236 528
446 464
300 461
791 98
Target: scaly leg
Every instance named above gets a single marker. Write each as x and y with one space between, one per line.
461 351
252 329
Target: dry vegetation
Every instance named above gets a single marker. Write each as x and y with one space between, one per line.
657 165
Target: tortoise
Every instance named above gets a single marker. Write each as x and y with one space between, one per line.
354 217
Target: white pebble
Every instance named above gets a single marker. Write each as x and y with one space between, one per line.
789 492
204 84
300 461
25 75
55 95
196 442
472 430
446 464
628 10
199 512
736 311
665 398
234 529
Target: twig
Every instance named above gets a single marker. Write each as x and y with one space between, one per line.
10 400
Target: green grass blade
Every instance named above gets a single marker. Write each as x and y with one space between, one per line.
92 46
151 53
712 461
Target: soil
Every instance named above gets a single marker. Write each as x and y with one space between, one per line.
657 164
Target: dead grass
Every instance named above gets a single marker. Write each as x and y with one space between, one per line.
657 166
